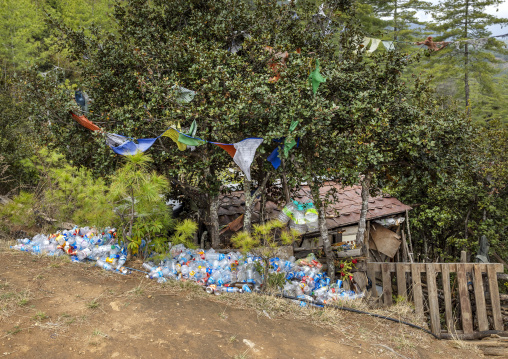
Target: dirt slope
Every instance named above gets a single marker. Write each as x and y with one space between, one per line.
50 308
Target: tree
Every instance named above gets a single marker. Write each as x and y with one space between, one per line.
134 77
263 241
399 19
465 21
139 198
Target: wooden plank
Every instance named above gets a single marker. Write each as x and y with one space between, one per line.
417 289
387 285
435 325
401 281
479 294
404 247
494 298
445 270
372 276
452 266
465 303
463 256
365 248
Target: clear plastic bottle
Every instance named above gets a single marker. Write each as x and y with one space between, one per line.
287 212
121 261
298 221
311 217
103 264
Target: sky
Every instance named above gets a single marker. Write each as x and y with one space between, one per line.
502 11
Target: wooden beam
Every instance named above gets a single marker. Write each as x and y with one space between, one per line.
494 298
435 324
401 281
500 260
445 270
387 285
409 232
465 303
404 247
417 290
365 248
481 311
498 267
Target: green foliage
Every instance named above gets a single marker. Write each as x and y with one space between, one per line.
140 206
466 202
468 73
263 241
20 210
17 140
184 233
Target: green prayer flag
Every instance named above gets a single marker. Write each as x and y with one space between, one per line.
293 125
193 129
190 141
288 145
316 78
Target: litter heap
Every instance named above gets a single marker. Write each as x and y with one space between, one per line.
81 244
234 272
216 272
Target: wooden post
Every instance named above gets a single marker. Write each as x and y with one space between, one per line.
481 311
365 248
445 273
494 298
463 257
465 303
387 284
409 233
401 280
417 289
435 324
404 247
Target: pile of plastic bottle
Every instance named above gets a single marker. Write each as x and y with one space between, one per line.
234 272
303 217
81 244
216 272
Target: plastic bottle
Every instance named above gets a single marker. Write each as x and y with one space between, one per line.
287 212
104 265
121 261
149 266
230 290
311 217
298 221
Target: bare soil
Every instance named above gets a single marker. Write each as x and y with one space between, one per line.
51 308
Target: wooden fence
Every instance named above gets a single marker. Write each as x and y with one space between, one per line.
438 286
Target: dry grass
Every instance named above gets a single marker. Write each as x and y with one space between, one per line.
12 300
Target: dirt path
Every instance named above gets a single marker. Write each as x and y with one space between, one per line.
50 308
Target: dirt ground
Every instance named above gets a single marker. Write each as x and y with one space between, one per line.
51 308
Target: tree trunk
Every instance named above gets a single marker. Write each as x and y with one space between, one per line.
395 16
466 62
285 187
249 200
360 235
262 208
213 227
330 256
327 246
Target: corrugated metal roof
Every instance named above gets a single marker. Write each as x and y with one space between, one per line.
344 210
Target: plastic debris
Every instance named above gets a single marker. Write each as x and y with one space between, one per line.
301 217
81 244
217 272
237 273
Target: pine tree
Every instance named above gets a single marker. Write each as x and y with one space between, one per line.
399 19
462 20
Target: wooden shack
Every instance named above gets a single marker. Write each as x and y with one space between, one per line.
386 215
